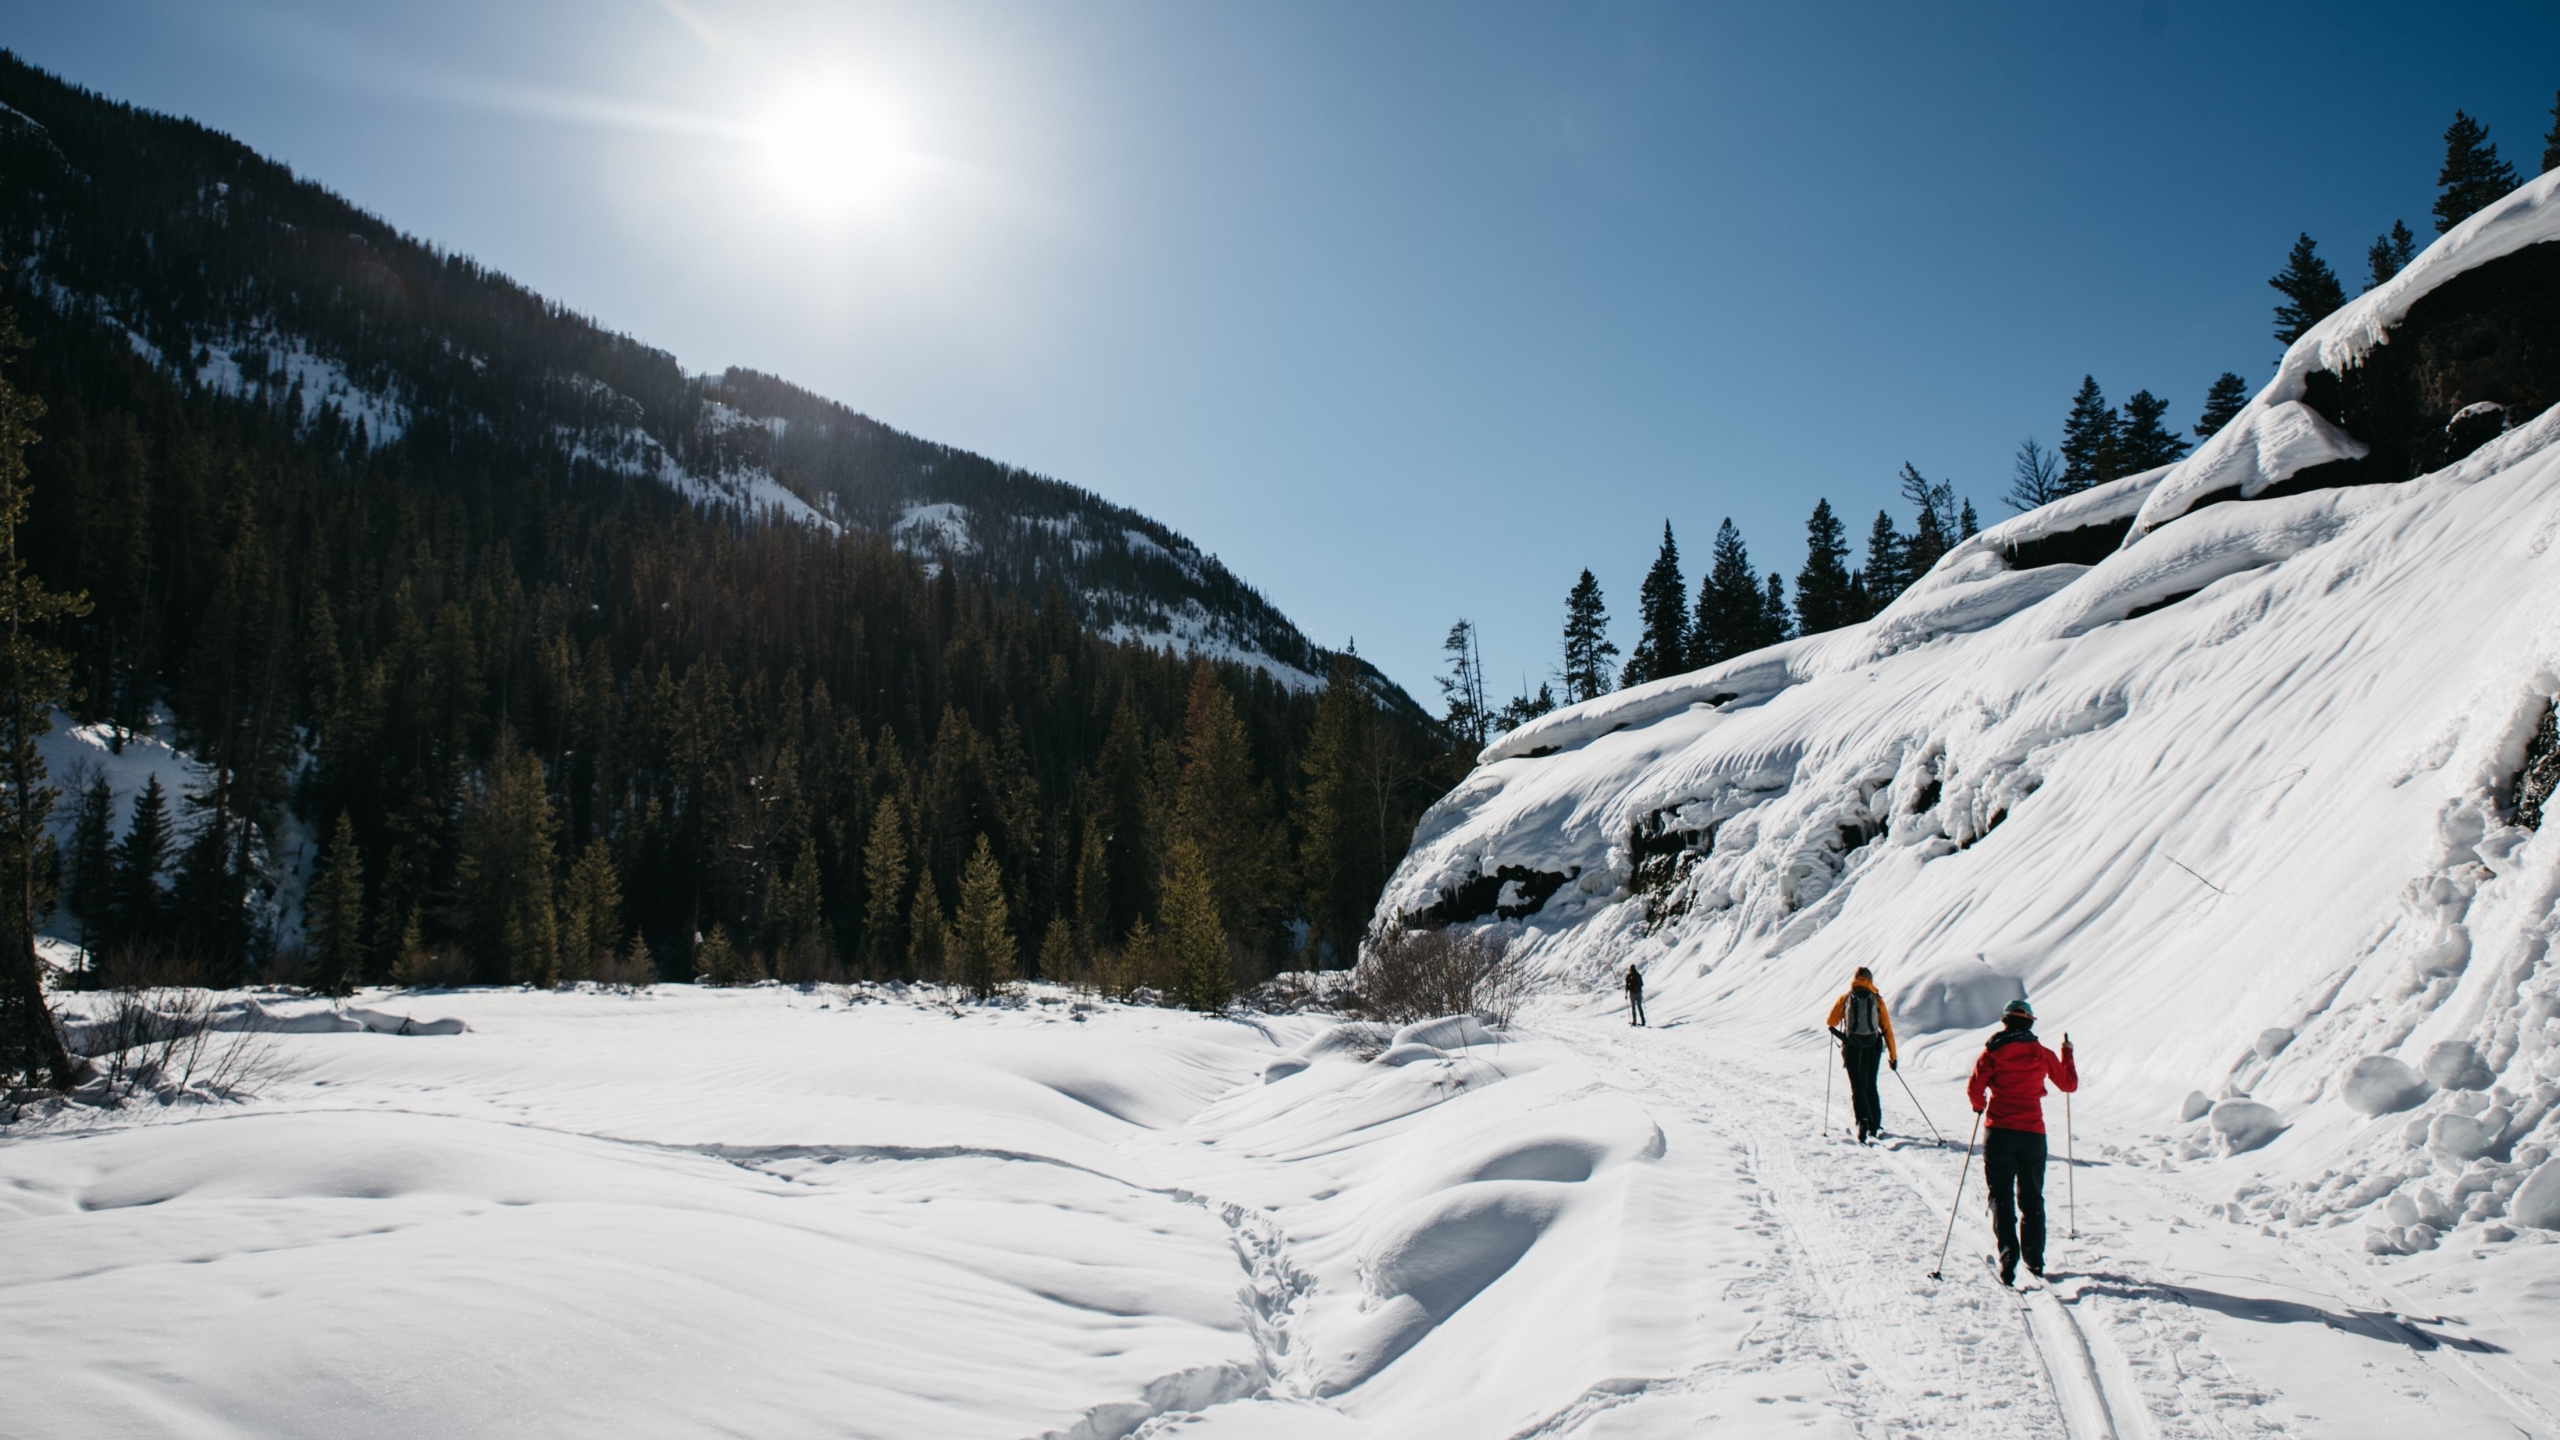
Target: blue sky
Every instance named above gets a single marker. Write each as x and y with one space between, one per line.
1407 311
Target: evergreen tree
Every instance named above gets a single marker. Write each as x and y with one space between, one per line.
136 908
2035 477
2473 177
2223 401
1092 893
1128 824
1587 648
1463 687
794 917
91 877
1822 586
1223 809
505 874
1968 524
715 960
1731 618
334 912
1883 576
590 913
2088 440
1777 624
2144 443
982 946
928 933
1059 960
1519 710
34 678
1663 607
1193 934
884 887
2310 291
1341 858
2551 141
2390 254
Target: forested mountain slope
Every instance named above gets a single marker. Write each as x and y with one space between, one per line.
235 275
597 661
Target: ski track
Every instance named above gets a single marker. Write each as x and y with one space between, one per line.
2108 1353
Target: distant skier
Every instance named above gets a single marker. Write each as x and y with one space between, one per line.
1635 996
1865 1032
2013 1070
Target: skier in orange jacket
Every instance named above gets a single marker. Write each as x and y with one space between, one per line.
1865 1038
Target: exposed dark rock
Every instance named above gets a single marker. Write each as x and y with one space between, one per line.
1660 853
2489 336
2086 545
2472 427
2541 772
1482 896
2139 611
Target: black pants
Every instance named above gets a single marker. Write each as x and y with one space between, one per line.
1862 1056
1635 1007
2013 1165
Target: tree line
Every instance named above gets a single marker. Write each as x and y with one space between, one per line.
1737 610
555 723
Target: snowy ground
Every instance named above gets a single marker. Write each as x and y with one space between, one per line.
775 1212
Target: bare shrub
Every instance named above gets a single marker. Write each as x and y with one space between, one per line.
1408 975
175 1039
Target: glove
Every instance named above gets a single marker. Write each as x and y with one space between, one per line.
1895 1062
1836 1035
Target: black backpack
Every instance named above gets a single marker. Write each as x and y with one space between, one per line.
1862 1014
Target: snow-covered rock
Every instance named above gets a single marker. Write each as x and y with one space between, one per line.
1964 994
2455 1065
2537 1201
2381 1085
2218 764
2246 1124
1448 1032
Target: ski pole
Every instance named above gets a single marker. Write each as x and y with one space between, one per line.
2070 1155
1924 1115
1958 1203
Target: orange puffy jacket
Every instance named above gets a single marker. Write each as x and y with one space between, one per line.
1884 1021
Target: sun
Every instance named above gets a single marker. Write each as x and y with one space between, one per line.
835 150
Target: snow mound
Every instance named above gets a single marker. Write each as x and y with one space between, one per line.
1448 1032
1962 994
2246 1124
2537 1200
1436 1258
2381 1085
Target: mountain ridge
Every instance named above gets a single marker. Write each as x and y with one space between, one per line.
233 273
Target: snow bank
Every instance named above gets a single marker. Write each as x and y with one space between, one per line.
2232 800
780 1212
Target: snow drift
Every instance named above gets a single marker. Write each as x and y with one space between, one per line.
2218 762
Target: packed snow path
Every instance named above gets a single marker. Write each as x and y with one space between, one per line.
2162 1321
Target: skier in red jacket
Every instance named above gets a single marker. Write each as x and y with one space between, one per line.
2011 1074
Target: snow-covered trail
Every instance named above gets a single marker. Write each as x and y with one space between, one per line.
2164 1320
689 1212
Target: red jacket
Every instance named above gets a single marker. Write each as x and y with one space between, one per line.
2014 1067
